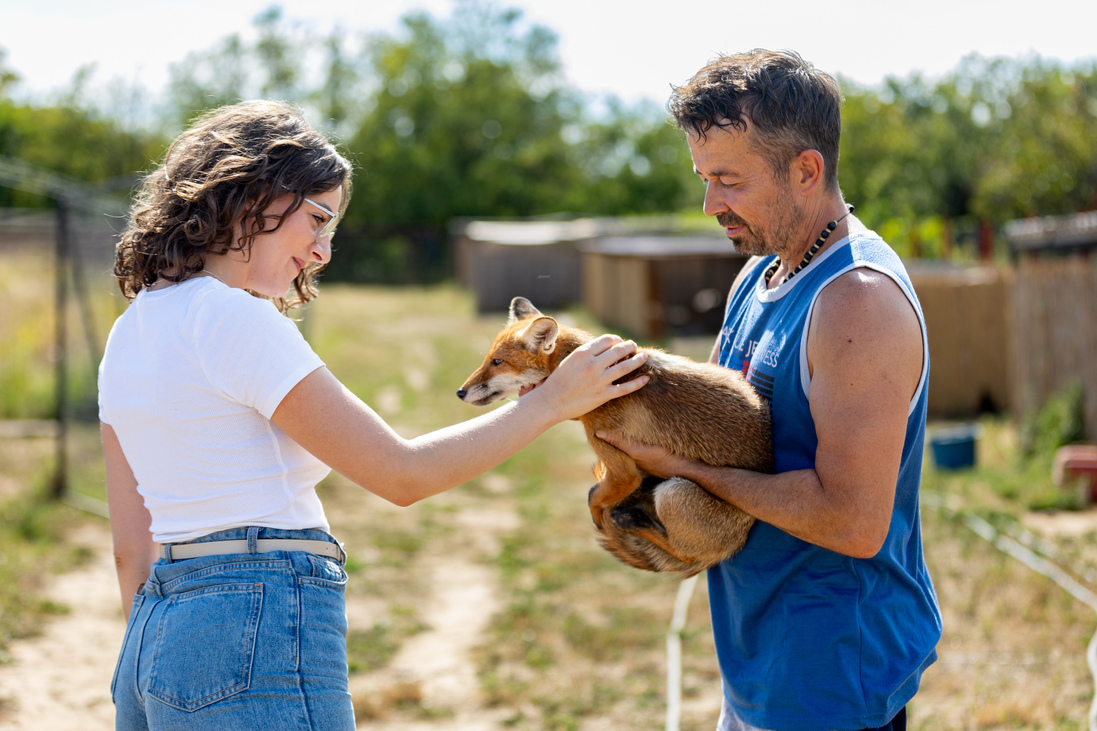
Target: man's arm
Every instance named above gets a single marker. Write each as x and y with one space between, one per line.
865 357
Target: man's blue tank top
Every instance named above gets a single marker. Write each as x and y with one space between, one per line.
808 638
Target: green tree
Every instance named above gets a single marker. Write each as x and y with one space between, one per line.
344 95
466 121
208 79
1046 152
8 77
631 160
234 70
471 118
993 140
72 138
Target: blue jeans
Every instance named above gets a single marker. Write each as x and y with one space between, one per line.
241 641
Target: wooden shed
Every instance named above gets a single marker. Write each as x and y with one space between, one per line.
656 286
537 258
499 260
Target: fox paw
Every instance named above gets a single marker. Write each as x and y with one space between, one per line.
632 518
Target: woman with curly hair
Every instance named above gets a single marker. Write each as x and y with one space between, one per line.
218 420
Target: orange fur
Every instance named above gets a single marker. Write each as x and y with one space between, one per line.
697 410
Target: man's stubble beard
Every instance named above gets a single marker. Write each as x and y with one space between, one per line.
765 238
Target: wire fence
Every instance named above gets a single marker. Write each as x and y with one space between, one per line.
79 230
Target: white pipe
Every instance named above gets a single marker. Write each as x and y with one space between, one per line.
674 652
1037 563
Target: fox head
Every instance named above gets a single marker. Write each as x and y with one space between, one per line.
523 354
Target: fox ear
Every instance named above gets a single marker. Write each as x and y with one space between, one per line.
520 309
541 334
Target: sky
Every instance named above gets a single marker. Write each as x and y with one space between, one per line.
633 49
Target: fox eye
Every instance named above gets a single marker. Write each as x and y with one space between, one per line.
497 362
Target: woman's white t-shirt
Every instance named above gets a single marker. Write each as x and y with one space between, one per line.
189 380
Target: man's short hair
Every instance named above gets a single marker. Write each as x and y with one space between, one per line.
792 106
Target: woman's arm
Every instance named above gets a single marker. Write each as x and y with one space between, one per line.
342 431
134 549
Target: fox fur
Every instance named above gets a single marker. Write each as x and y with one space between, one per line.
698 410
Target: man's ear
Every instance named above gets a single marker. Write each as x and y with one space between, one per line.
807 172
541 335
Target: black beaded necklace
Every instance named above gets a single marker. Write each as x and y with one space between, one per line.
811 252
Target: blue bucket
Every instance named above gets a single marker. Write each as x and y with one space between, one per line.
954 447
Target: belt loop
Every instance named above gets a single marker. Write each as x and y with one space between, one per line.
253 539
167 552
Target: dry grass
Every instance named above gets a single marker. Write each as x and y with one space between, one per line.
574 640
577 641
1013 651
33 527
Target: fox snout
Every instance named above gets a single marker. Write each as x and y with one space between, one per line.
480 394
489 384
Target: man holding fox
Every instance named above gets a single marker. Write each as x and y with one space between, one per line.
827 618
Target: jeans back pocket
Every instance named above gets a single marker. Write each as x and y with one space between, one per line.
205 645
325 572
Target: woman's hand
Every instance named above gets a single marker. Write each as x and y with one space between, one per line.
585 379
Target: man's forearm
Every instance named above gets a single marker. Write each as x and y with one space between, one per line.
796 502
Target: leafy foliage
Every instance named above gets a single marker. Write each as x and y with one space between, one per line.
470 116
994 140
1061 421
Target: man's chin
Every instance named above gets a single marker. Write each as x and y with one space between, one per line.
749 248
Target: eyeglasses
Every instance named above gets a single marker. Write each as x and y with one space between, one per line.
333 217
329 227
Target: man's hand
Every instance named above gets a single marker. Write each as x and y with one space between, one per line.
652 459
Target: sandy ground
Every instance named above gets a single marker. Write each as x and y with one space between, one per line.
60 681
435 668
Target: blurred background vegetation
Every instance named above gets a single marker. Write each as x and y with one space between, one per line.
470 116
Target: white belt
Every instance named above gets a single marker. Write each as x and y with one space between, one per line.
178 551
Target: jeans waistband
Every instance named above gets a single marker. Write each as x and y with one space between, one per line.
252 535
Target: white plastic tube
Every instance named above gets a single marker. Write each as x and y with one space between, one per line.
1027 556
674 652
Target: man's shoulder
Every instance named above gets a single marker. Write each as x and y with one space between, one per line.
870 248
861 286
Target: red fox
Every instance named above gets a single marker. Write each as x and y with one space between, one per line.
698 410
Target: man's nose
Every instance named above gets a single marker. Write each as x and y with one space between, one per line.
714 200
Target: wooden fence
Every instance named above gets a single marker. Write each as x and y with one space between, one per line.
967 320
1054 332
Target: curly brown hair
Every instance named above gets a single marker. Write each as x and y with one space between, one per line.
792 106
231 161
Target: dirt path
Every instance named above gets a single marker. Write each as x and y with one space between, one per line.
435 670
60 681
